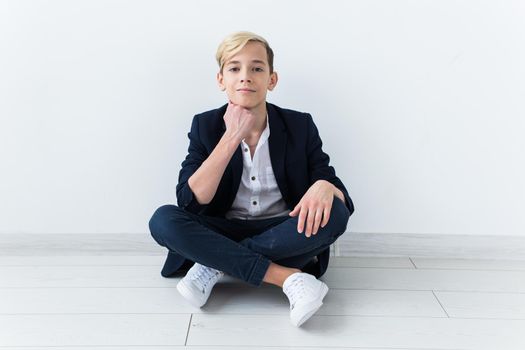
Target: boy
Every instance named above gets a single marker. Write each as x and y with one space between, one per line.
257 197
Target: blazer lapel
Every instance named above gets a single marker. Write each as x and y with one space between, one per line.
236 167
277 147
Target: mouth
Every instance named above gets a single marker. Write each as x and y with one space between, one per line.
245 90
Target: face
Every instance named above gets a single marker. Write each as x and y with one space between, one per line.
246 76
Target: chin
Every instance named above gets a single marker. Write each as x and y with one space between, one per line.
248 104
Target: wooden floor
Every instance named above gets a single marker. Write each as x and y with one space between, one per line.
107 302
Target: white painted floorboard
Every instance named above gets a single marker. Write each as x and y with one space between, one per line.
468 264
93 329
430 279
483 305
106 302
336 277
353 331
215 347
226 299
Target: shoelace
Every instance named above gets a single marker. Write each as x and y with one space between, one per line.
295 290
204 275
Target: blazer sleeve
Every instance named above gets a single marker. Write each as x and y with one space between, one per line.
319 162
197 154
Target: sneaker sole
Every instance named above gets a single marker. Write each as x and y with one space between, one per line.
312 307
189 295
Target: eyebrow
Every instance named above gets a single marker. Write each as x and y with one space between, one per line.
253 61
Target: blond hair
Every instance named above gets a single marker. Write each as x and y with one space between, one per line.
234 43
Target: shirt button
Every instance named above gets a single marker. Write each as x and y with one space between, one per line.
246 150
253 178
254 202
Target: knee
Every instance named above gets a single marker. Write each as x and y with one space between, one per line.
163 221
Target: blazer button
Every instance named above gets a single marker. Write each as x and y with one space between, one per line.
254 202
253 178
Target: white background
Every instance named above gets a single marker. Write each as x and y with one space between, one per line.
420 105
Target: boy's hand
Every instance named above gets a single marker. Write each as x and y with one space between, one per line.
315 205
239 121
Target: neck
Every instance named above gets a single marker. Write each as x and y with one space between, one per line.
260 113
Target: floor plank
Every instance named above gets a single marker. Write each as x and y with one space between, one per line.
336 278
469 264
352 331
91 330
202 348
443 280
158 260
87 260
53 244
483 305
83 276
387 263
229 298
232 298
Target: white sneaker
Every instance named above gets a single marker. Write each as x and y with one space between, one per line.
306 294
196 286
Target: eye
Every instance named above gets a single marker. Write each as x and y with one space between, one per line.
258 69
233 69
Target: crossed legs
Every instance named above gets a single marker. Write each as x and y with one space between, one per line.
253 259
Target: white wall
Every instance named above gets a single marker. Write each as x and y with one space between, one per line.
419 104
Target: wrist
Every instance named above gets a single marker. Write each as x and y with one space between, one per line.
232 141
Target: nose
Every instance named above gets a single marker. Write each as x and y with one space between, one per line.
245 76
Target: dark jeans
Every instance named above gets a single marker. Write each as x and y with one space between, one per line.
244 248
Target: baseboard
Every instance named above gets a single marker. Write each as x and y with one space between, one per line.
430 246
349 244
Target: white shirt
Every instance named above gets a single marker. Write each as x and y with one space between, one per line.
258 196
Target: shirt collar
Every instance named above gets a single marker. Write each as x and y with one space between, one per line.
266 132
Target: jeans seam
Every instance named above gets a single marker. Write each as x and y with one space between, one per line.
303 251
259 270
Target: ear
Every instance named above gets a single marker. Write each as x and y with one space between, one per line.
273 81
220 80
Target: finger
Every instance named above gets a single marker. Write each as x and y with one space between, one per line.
310 222
317 221
326 215
294 211
302 218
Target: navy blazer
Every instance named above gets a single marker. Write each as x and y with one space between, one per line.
297 160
